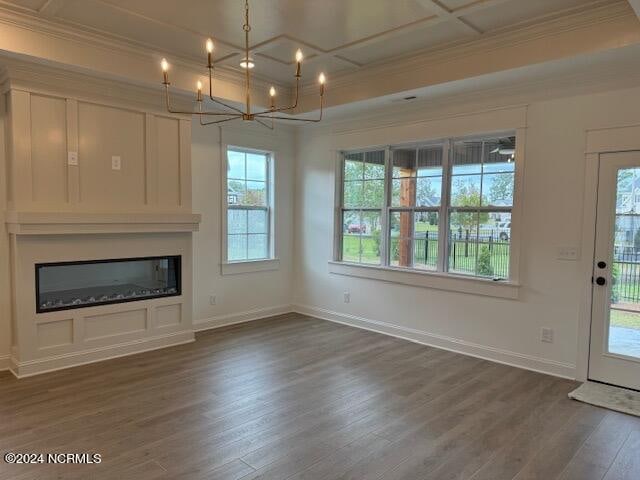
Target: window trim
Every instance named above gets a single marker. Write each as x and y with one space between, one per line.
271 262
441 279
435 280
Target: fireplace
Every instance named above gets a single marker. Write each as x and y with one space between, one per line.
80 284
67 304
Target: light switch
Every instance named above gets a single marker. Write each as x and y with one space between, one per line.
72 158
116 163
567 253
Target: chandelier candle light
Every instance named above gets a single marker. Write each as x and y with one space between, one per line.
232 112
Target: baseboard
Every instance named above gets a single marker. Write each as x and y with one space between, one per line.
528 362
4 363
240 317
53 363
59 362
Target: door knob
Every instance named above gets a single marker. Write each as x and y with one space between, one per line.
602 264
601 280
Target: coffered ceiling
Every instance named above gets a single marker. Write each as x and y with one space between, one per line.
337 36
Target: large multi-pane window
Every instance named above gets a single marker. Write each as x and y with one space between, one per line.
248 205
442 207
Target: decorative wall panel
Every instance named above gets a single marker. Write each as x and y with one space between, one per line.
104 133
66 154
55 333
168 315
168 140
112 324
49 149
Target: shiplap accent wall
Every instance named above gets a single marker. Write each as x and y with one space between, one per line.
59 210
154 150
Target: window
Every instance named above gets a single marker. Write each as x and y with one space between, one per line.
364 193
440 207
249 211
416 186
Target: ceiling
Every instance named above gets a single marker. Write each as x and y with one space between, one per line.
337 36
581 74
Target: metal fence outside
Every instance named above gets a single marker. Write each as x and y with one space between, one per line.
625 274
484 254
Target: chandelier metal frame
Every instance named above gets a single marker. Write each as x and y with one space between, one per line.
233 112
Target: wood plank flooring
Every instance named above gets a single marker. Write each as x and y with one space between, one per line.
294 397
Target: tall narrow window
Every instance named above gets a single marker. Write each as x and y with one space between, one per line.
443 207
416 187
481 200
249 209
363 197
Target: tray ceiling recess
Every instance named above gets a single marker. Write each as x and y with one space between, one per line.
335 35
370 50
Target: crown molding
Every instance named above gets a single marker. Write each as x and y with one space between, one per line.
476 100
595 13
24 33
597 26
67 30
593 27
49 80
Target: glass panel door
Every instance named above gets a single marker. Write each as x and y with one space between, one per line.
624 310
615 333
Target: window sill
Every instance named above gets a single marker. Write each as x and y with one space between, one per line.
250 266
435 280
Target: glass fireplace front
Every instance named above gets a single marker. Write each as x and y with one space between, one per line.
66 285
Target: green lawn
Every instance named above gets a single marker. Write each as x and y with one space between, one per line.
425 227
351 249
625 319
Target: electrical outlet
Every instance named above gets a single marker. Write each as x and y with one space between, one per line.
347 297
546 335
212 300
116 163
72 158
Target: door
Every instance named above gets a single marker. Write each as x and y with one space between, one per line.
614 355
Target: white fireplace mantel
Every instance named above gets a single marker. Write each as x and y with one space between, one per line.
72 223
67 200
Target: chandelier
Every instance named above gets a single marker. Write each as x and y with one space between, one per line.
232 113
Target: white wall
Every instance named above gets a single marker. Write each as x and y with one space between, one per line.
504 330
239 297
248 295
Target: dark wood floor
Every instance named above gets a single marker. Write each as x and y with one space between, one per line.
299 398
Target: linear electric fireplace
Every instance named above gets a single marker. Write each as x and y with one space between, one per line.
67 285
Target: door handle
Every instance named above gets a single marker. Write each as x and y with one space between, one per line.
601 281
